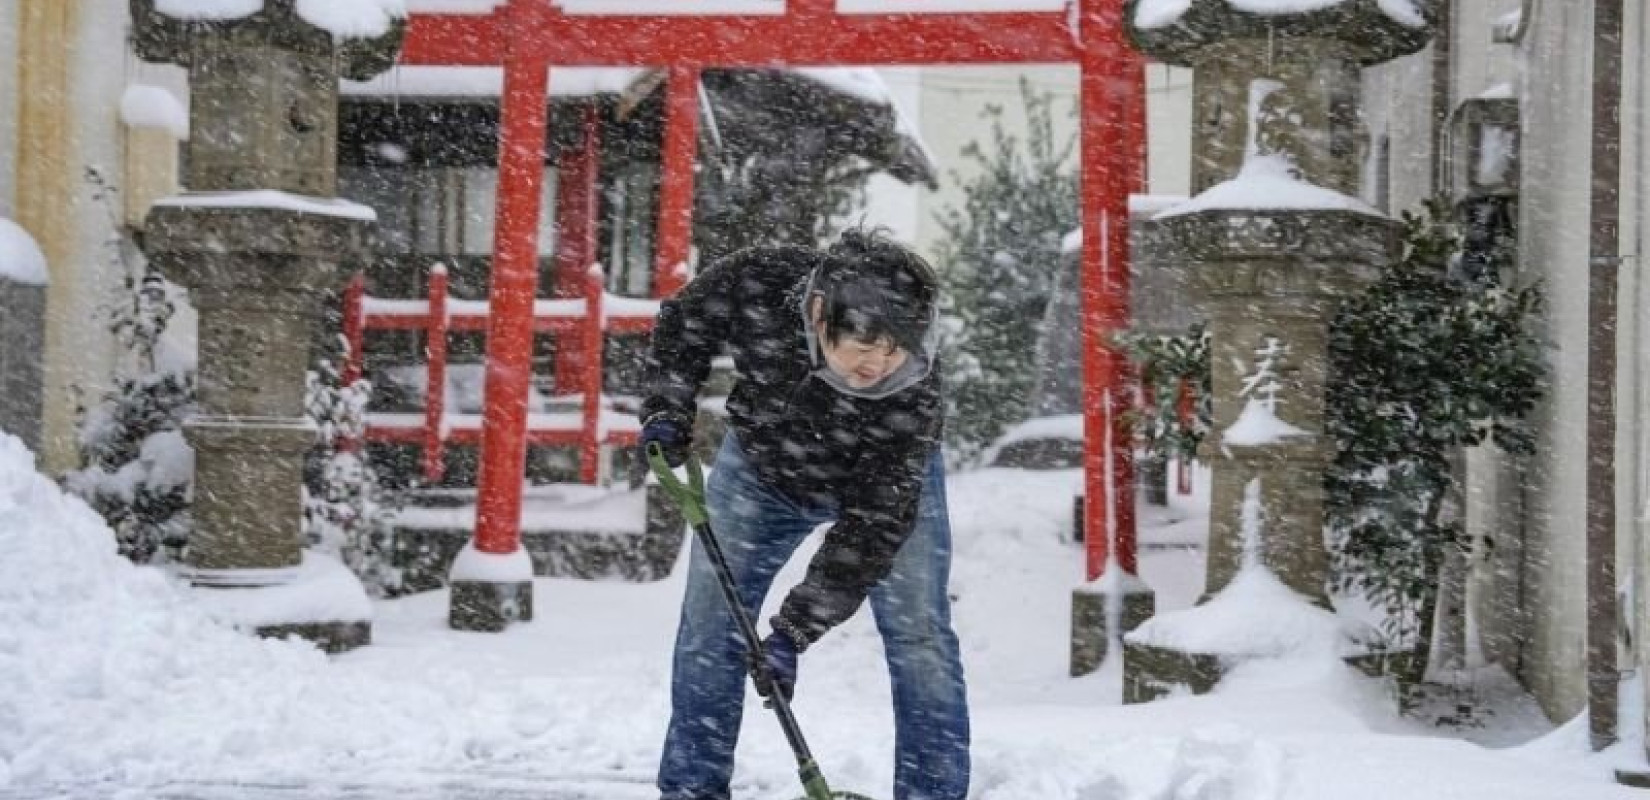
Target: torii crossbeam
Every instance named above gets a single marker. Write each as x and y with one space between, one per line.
529 37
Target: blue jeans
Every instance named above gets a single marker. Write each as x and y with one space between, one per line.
759 528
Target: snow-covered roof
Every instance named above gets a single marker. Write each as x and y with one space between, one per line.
269 198
344 19
154 107
462 82
21 260
1267 184
1163 13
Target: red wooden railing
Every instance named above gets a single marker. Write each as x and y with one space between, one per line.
581 322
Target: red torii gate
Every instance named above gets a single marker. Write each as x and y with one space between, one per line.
528 37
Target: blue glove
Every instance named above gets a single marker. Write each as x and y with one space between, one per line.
672 432
779 656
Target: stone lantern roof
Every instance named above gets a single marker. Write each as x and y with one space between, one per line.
365 35
1373 31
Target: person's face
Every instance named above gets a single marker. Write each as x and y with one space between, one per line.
860 364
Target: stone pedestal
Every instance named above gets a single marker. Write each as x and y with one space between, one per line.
1272 243
259 241
490 591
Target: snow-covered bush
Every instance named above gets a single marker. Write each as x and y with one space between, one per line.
139 472
1423 364
347 512
998 261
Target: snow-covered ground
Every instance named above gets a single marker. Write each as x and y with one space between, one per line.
112 684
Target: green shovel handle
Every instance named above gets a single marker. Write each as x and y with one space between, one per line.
691 495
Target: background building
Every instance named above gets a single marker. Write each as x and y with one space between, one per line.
947 106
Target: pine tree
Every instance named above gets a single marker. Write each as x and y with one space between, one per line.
1424 363
998 261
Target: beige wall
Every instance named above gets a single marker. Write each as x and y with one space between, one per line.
8 106
68 89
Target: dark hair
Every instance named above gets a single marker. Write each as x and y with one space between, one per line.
873 287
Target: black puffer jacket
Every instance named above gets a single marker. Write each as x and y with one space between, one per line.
866 458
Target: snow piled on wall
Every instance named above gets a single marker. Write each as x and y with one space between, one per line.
21 260
144 106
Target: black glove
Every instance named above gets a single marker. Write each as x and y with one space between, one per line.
672 432
779 660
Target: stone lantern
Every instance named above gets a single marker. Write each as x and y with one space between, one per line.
259 239
1272 240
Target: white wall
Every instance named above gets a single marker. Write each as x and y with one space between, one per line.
1553 220
948 103
1168 129
890 203
953 100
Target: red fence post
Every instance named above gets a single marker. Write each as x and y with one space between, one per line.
354 328
576 206
435 391
525 115
680 147
595 330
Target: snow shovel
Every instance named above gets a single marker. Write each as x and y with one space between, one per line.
691 497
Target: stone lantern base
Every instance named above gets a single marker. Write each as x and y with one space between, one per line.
319 600
1151 672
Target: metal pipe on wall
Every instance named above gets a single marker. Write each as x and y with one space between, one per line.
1604 259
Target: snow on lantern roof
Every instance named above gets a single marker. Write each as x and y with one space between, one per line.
144 106
1162 13
1267 183
344 19
209 9
21 260
1146 204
